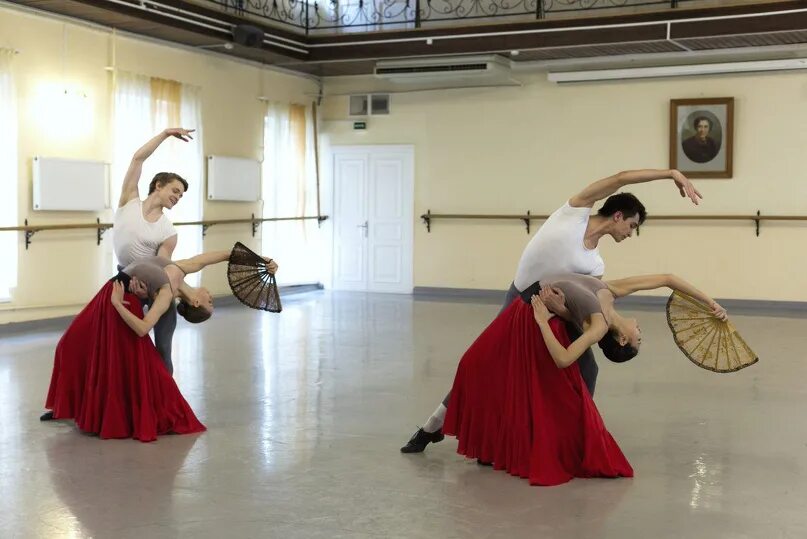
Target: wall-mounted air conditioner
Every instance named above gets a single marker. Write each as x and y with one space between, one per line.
465 68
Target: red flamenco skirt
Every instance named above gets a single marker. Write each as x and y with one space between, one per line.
512 406
112 382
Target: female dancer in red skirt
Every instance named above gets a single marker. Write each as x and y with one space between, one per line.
107 374
518 399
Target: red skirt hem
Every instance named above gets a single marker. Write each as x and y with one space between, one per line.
112 382
512 406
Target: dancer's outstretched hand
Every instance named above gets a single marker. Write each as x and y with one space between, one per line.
181 134
540 311
271 265
719 311
685 187
117 294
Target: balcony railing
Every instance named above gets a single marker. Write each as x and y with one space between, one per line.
344 16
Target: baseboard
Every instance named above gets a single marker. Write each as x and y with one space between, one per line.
60 323
431 293
285 292
740 306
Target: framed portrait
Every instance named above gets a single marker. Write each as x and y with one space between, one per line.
702 136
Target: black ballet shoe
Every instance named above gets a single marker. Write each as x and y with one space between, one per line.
47 416
418 442
483 463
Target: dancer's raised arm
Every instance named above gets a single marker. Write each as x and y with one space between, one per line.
130 181
608 186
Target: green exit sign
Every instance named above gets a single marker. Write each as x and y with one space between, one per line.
359 125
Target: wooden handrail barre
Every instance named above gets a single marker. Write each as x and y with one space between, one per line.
100 227
527 217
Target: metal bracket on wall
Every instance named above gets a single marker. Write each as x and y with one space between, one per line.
100 231
28 235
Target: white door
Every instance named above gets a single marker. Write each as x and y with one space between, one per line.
373 218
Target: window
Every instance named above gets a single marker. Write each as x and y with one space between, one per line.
9 179
289 190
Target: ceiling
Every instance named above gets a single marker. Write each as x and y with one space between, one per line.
769 29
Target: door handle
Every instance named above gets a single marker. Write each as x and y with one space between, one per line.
365 226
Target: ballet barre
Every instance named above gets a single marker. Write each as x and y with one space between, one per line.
527 217
100 227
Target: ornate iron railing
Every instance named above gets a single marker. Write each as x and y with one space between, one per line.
367 15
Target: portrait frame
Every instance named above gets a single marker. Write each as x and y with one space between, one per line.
702 137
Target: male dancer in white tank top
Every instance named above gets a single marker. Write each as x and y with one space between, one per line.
567 242
142 229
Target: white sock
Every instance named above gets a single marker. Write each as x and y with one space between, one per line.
435 422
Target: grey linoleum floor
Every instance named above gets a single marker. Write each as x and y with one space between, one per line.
306 411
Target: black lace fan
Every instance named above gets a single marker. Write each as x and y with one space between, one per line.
251 281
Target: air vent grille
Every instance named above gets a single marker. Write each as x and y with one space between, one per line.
431 69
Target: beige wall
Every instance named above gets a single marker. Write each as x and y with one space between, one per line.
507 150
62 270
477 150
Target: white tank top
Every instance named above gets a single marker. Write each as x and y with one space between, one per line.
557 248
134 237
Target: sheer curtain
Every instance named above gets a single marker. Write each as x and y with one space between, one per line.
131 126
9 241
174 105
192 159
289 190
143 107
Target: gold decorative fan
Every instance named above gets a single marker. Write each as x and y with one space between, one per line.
707 341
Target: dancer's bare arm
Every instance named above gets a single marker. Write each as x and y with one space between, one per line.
157 309
608 186
167 247
563 356
196 263
624 287
129 189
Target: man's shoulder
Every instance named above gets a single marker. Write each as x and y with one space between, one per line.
133 202
568 215
166 221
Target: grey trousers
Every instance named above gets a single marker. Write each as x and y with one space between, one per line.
587 364
164 331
